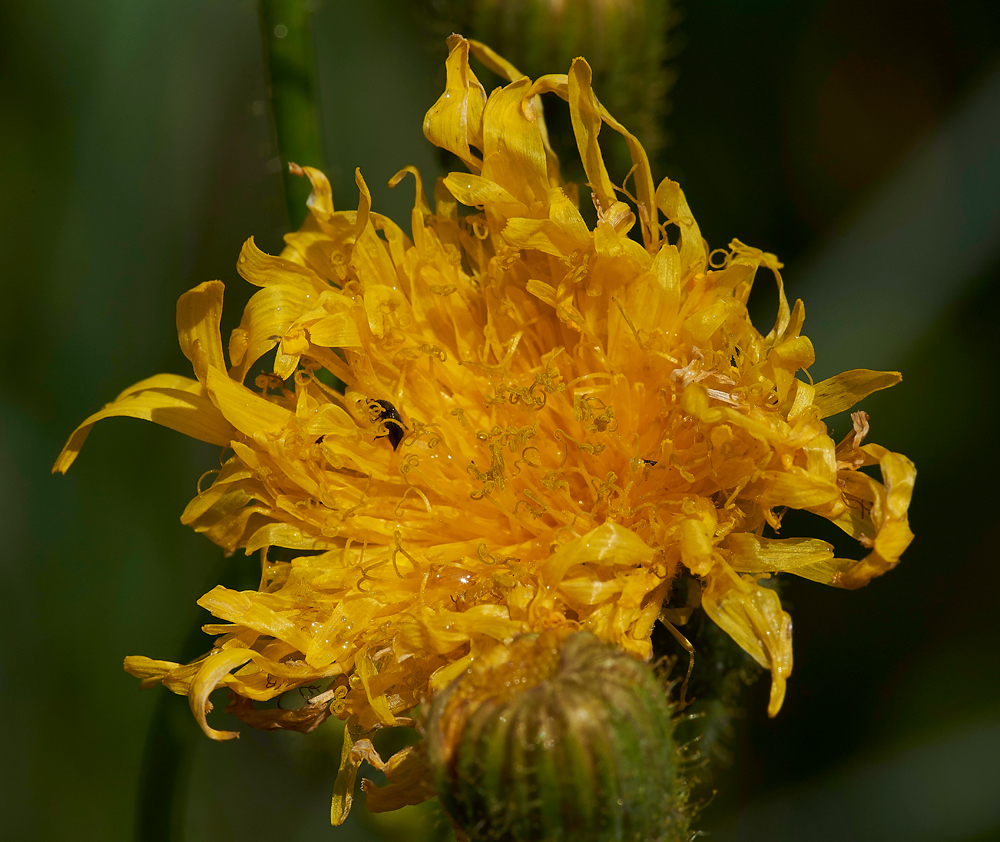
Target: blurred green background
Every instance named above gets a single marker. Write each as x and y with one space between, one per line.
860 141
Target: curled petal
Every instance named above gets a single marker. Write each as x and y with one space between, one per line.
455 121
172 401
199 313
350 759
211 670
410 782
889 517
751 615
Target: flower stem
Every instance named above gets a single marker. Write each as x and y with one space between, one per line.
290 70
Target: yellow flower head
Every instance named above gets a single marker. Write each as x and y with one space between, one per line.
543 426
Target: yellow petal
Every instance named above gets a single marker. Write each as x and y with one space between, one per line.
410 782
587 115
330 643
338 330
369 257
513 151
494 61
474 190
247 411
366 671
166 399
695 539
250 612
262 270
320 200
795 487
199 312
809 558
266 319
212 669
670 199
456 120
286 535
608 544
842 391
751 615
889 515
588 591
343 787
150 671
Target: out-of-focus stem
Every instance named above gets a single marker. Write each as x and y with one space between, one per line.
291 78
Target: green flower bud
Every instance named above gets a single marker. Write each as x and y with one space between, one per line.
558 737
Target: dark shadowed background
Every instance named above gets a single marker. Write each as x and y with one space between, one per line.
859 141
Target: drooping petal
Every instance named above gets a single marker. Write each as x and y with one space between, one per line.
588 114
889 515
410 782
172 401
350 760
211 670
752 616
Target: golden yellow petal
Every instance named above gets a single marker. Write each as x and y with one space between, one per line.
842 391
338 330
199 313
695 539
320 200
263 270
586 116
474 190
150 671
809 558
588 591
889 515
369 257
751 615
794 487
179 403
248 610
343 786
267 317
334 640
456 120
494 61
586 138
609 544
247 411
693 254
366 670
420 206
514 155
410 782
210 672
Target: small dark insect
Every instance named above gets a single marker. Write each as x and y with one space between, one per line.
393 423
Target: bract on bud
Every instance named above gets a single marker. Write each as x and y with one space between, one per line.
558 736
